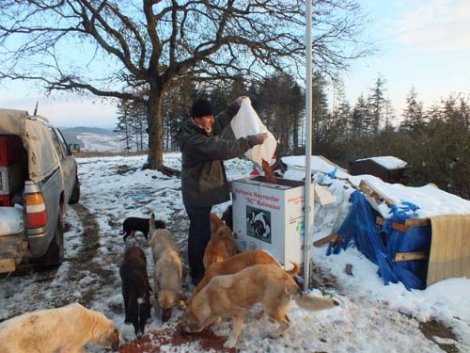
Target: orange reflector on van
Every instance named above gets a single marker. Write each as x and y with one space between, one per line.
34 199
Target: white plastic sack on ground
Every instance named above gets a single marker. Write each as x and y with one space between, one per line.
247 122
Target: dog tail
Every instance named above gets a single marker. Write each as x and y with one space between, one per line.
294 270
314 303
152 223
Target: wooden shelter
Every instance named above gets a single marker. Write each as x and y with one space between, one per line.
388 168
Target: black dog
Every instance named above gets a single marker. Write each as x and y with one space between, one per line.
227 217
132 224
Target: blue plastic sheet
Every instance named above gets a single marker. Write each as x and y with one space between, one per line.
380 244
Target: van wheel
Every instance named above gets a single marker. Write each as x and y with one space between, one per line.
55 253
75 197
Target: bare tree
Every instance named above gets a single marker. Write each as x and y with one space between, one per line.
139 49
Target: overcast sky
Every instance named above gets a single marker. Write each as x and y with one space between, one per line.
421 43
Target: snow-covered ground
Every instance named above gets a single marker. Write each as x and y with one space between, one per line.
371 317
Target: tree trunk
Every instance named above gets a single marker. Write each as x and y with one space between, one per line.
155 132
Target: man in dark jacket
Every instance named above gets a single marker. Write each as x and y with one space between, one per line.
204 182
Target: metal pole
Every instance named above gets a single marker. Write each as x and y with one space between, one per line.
308 202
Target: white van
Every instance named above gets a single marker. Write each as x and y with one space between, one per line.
38 177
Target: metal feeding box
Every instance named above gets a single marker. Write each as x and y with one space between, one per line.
270 217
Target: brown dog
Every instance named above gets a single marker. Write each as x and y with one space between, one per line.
135 289
237 263
168 271
221 246
216 222
230 296
65 329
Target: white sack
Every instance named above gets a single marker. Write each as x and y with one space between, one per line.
247 122
11 220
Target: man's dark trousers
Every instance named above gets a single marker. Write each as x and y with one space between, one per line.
198 237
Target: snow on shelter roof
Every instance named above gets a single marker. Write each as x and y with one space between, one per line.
388 162
431 200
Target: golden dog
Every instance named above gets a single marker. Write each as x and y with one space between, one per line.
237 263
215 222
232 295
65 329
168 271
221 246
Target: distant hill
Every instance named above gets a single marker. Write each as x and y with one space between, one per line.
94 139
81 129
71 133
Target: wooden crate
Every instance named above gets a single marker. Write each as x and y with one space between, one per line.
449 254
450 248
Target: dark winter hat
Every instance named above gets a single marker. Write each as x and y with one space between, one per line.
202 107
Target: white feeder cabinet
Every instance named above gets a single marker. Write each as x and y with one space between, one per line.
270 217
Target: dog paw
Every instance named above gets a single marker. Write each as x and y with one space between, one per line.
277 333
182 305
230 343
261 315
218 320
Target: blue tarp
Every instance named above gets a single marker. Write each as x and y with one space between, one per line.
380 244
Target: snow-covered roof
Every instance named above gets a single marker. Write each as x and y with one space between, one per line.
389 162
431 200
296 167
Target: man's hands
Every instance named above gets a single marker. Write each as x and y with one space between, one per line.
239 100
258 139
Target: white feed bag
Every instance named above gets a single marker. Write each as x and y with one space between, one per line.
247 122
11 220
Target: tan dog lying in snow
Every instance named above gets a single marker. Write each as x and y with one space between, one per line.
168 270
237 263
232 295
221 246
65 329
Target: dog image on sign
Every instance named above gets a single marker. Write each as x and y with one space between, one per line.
258 224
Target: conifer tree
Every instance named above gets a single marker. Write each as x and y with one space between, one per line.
413 113
360 117
377 106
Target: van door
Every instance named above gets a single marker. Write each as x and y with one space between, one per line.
67 162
